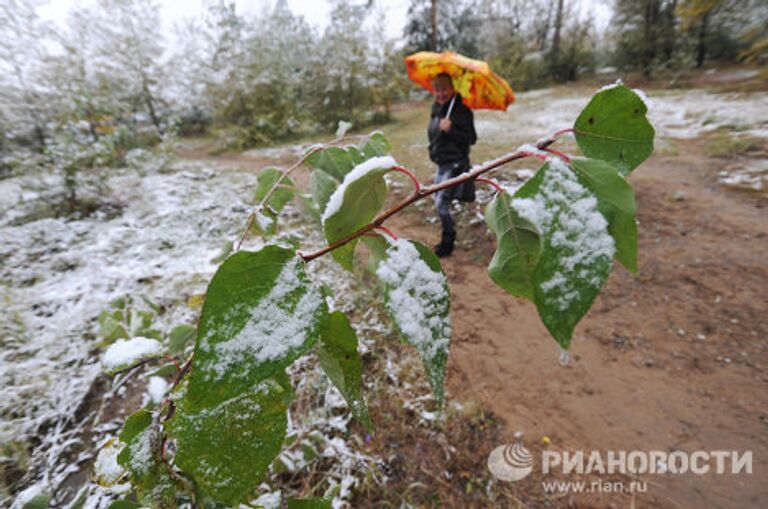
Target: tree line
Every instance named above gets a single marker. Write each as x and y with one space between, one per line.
109 76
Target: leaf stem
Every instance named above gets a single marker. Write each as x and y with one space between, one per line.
387 231
559 154
490 183
408 172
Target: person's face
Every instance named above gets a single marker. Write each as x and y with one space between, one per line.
442 90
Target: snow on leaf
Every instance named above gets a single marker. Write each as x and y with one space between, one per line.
354 204
227 448
261 313
126 353
577 247
418 300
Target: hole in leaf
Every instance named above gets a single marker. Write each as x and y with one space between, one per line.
591 120
621 155
637 111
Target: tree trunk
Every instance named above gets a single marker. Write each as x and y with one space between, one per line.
434 25
555 52
701 49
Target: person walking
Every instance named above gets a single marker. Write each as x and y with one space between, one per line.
451 132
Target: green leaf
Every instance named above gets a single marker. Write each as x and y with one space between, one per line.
308 503
322 186
261 313
141 458
335 161
337 351
110 327
577 249
124 504
166 369
356 155
518 248
616 201
284 192
354 204
377 245
179 337
376 145
265 222
227 448
418 299
613 127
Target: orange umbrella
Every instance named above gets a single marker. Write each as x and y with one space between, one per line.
480 87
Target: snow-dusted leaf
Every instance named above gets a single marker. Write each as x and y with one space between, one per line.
179 337
308 503
377 246
616 201
124 504
337 352
261 313
376 145
141 458
335 161
227 448
322 187
577 249
418 299
126 353
266 219
518 247
106 470
613 127
354 204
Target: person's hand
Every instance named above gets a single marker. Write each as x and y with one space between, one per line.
445 124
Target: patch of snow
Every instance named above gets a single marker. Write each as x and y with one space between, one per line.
157 388
358 172
125 353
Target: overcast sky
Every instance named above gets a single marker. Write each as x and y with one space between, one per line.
314 11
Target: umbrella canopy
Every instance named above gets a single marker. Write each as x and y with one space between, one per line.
480 87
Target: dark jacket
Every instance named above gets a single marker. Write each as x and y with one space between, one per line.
453 145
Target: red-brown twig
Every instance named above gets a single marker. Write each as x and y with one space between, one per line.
416 196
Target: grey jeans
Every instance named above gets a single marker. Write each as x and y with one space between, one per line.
443 198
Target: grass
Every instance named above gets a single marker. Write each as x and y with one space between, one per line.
725 145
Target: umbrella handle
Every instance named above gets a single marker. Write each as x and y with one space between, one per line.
450 108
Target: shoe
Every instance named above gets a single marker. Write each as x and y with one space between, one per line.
445 247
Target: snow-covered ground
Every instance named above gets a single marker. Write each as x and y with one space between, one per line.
681 114
57 275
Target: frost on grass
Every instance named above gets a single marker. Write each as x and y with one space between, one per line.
567 214
129 352
418 300
358 172
273 329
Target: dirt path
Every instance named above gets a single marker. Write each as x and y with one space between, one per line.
673 358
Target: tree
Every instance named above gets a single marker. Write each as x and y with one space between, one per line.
456 28
23 36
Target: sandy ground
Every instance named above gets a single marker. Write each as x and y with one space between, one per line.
672 358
